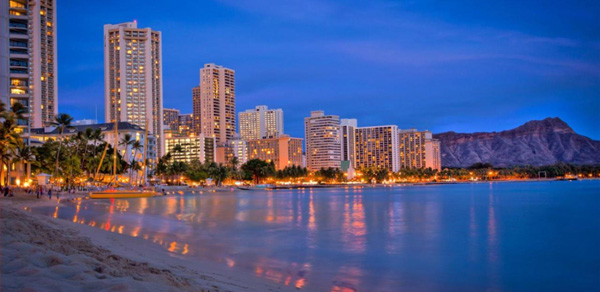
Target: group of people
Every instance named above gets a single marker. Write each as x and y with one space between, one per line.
7 191
39 191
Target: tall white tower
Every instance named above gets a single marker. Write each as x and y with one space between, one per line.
28 59
214 103
261 122
323 147
133 77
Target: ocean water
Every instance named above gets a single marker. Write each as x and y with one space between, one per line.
504 236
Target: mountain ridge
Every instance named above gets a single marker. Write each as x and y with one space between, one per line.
536 142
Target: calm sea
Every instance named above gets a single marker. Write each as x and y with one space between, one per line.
517 236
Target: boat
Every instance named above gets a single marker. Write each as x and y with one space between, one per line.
256 187
122 194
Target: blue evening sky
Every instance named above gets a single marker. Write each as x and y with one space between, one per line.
439 65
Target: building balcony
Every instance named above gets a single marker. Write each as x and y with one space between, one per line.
18 37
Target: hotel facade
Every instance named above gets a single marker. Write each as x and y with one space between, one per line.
261 122
213 103
418 149
348 143
198 148
283 151
377 147
323 145
28 63
133 77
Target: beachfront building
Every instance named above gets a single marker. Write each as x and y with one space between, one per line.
28 63
133 77
347 128
213 103
188 149
41 135
239 149
323 147
261 122
377 147
418 149
171 119
283 150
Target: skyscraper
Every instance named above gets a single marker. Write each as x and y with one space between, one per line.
214 103
347 127
418 149
377 147
133 77
28 59
261 122
323 147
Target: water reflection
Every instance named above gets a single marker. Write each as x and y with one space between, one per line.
349 239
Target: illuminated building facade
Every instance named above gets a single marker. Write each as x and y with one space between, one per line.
171 118
185 124
347 128
377 147
239 148
28 64
214 103
323 145
418 149
133 77
192 148
261 122
283 150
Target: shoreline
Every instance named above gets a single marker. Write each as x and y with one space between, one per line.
41 253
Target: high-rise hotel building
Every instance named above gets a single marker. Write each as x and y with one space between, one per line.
347 128
214 103
418 149
133 77
322 134
283 151
377 147
261 122
28 59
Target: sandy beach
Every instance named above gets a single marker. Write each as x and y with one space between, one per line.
40 253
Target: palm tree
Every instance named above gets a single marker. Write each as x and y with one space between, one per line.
136 146
62 122
10 137
25 155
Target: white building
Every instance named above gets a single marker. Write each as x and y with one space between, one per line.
214 103
377 147
261 122
323 147
133 77
28 64
347 128
239 148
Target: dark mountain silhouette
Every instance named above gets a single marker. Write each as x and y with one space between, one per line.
534 143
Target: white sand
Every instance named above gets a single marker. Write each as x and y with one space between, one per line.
41 253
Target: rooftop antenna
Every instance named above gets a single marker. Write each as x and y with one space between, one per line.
96 113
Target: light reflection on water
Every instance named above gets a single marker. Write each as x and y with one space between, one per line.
451 237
